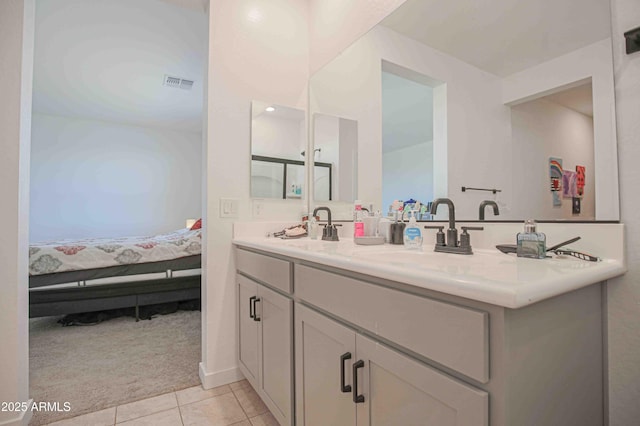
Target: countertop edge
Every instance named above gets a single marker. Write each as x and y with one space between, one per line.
529 294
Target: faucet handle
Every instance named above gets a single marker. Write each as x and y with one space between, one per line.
439 235
465 238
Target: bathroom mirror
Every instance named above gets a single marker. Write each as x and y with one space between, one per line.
503 100
336 158
278 142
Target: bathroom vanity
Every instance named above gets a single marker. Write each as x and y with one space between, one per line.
331 333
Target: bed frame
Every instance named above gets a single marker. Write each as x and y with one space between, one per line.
45 301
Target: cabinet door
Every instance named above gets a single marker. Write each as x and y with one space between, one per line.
276 335
324 350
247 329
400 391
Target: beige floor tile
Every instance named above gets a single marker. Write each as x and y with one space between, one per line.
197 393
163 418
97 418
242 423
146 407
222 410
265 419
250 402
242 384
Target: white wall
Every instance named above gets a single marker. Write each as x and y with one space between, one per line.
258 49
118 51
475 112
407 173
623 294
16 68
335 24
98 179
542 129
593 63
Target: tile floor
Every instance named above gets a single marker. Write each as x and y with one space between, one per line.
235 404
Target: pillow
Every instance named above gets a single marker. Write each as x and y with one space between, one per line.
197 225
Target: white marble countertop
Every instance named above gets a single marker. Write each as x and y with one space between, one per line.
487 276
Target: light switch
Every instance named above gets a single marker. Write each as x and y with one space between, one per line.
229 207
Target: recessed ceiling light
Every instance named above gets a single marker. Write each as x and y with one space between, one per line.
269 109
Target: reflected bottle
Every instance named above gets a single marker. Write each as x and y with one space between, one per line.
531 244
358 224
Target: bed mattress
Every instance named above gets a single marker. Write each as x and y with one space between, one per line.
116 254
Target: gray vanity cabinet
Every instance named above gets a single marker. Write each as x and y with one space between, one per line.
337 366
247 329
325 352
265 330
417 357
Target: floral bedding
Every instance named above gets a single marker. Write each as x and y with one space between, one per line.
73 255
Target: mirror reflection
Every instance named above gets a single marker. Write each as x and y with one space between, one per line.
407 139
278 141
336 158
513 104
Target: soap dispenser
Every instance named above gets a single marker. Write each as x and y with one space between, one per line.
531 244
412 233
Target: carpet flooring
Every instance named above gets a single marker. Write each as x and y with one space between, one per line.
111 363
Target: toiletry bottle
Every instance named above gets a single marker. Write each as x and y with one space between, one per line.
412 233
531 244
358 224
313 227
397 230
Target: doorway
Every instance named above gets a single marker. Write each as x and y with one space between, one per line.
116 152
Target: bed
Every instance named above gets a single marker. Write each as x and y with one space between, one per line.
87 275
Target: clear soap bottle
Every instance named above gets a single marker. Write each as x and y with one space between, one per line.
531 244
412 233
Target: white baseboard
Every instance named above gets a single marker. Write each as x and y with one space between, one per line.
22 420
218 378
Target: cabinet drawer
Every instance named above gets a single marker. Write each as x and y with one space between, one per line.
269 270
451 335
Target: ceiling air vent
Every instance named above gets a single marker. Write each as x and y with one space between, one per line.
177 82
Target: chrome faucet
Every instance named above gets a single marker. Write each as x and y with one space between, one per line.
486 203
452 245
330 232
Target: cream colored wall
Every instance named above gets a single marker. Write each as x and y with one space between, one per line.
258 49
16 68
335 24
623 294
